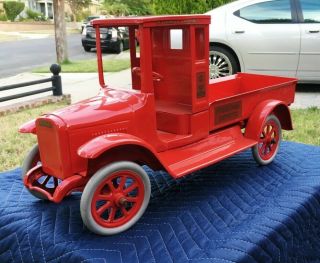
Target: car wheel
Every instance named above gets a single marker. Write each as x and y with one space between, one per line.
115 198
120 47
268 144
32 159
221 63
87 49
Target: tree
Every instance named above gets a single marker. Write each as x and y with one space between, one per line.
77 5
118 9
127 7
215 3
60 31
185 6
180 7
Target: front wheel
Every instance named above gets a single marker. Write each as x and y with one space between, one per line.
32 159
115 198
268 144
86 48
222 62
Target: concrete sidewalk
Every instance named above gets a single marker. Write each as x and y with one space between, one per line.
85 85
24 35
80 85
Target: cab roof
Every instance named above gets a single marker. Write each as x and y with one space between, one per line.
148 21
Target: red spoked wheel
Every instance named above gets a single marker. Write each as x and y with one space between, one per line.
46 182
268 144
115 198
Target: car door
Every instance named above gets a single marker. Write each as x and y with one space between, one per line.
309 63
266 36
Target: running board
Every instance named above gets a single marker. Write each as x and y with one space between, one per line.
218 146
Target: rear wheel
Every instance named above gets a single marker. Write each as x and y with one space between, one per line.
222 62
268 144
115 198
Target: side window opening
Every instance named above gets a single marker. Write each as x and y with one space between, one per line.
270 12
311 11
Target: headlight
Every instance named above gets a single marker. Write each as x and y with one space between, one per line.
114 35
84 31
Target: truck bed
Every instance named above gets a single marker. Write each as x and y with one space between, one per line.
233 98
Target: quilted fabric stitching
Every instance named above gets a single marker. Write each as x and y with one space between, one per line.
247 213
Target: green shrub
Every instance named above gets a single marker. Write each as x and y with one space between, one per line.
33 14
3 16
13 9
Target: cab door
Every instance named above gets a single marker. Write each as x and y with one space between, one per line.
309 62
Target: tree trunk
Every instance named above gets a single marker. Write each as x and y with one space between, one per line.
60 31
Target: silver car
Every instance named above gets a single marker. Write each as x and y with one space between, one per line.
277 37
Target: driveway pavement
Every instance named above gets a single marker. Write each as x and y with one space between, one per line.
24 55
85 85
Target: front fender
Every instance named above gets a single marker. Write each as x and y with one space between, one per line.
261 112
99 145
28 127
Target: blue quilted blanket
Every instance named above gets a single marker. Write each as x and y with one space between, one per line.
233 211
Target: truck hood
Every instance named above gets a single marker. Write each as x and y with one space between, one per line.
109 106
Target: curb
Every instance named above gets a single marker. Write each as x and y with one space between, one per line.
33 103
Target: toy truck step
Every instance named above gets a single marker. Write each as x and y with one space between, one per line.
216 147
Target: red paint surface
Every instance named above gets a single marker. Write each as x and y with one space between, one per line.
174 118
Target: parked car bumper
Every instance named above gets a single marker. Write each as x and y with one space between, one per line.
105 44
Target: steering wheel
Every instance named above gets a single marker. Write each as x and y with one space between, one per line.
155 76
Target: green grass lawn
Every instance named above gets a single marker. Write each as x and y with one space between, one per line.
14 146
89 66
306 126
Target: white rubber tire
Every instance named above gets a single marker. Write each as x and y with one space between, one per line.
27 165
93 183
255 150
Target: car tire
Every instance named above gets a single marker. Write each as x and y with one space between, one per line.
221 62
108 195
269 141
120 47
32 159
86 48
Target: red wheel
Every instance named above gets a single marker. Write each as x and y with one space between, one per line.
115 198
268 144
39 179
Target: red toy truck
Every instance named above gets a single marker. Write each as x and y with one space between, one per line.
173 119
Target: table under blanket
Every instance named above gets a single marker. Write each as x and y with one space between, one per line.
234 211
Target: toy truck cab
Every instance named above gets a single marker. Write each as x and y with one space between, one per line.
173 119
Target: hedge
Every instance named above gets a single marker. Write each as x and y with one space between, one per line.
13 9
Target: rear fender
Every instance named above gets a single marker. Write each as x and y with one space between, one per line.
28 127
260 114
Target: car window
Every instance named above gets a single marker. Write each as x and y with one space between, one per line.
310 11
277 11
